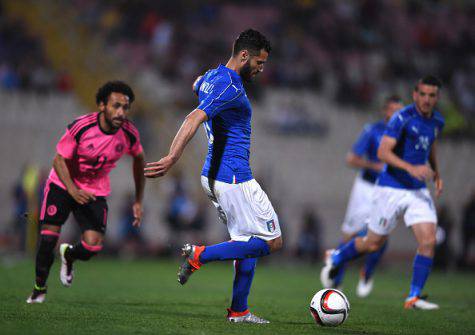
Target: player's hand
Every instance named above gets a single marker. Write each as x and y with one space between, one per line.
439 185
421 172
160 168
138 212
82 197
378 167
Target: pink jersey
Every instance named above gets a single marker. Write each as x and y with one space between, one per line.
92 153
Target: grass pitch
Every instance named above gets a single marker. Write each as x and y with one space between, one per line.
143 297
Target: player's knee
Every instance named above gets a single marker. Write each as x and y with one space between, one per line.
275 244
427 245
375 245
91 248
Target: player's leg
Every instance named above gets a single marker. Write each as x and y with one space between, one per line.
54 212
243 275
338 280
92 219
251 222
387 203
422 266
422 218
356 217
365 283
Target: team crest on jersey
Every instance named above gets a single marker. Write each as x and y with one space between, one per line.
119 148
271 226
52 210
90 147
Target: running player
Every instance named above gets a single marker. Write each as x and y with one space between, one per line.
408 144
79 182
225 111
364 156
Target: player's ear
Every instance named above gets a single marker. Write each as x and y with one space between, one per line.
244 56
102 106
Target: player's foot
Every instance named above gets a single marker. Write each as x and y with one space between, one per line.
38 295
191 263
419 303
248 317
364 287
66 274
329 271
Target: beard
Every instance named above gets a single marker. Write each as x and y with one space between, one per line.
245 72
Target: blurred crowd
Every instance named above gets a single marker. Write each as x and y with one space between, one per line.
23 62
356 51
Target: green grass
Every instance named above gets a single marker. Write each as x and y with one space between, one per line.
143 297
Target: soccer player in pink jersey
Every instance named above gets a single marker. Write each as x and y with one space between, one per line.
79 182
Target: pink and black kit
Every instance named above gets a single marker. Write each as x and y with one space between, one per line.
91 154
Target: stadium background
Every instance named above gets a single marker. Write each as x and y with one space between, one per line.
331 66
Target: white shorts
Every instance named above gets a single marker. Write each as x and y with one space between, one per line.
244 208
359 207
391 204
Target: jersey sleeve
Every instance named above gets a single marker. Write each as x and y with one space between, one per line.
197 84
135 146
395 126
223 95
361 146
67 145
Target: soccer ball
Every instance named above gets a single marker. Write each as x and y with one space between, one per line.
329 307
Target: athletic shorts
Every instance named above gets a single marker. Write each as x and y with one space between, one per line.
57 204
392 204
244 208
359 207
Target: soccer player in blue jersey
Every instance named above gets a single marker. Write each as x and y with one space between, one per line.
408 147
225 111
363 156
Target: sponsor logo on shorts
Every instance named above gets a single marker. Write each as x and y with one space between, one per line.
271 226
383 222
52 210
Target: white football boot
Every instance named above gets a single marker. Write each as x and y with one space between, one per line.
364 287
328 272
38 296
66 274
247 318
419 303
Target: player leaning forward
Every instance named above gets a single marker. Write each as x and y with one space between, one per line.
79 182
408 148
225 111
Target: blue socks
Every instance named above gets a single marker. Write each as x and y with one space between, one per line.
421 269
255 247
243 275
372 260
345 253
341 271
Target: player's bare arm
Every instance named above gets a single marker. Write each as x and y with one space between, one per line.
358 162
80 196
139 179
439 184
387 155
184 135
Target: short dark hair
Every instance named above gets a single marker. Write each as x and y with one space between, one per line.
429 80
396 99
251 40
116 86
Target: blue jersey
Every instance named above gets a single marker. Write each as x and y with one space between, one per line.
228 128
415 135
367 146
